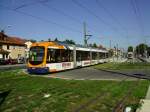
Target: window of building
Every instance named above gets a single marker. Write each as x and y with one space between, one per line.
19 55
0 46
6 55
7 46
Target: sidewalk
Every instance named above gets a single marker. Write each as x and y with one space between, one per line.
146 103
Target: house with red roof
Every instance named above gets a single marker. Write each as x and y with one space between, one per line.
11 47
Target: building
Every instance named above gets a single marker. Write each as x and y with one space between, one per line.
28 45
11 47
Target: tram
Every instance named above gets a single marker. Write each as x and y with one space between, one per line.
45 57
130 55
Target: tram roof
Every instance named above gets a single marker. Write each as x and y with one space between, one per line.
80 47
62 45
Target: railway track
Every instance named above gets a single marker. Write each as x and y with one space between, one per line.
142 59
12 67
98 97
119 107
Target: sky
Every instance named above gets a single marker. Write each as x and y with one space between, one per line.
122 22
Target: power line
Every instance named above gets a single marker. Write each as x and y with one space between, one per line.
42 19
31 3
137 15
58 11
113 17
110 14
99 18
52 8
62 13
93 14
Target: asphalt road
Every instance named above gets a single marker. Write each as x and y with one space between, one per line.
9 67
88 73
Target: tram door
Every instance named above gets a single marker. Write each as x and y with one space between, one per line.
78 58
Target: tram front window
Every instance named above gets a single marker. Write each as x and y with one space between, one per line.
36 55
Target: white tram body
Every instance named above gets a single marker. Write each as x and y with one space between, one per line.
47 57
130 55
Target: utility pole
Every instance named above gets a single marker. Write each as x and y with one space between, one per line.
145 50
117 52
110 51
110 44
86 36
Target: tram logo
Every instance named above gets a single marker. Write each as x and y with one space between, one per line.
86 63
66 65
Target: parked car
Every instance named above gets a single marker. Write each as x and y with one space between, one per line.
2 62
11 61
21 60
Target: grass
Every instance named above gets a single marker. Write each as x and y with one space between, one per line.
123 66
27 93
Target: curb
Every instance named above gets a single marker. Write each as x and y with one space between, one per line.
130 75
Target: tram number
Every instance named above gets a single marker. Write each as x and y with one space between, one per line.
66 65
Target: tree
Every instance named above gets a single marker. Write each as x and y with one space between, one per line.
67 41
32 40
141 48
95 45
130 49
49 39
148 51
56 40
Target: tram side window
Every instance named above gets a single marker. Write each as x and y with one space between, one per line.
53 55
94 55
70 55
78 55
85 55
102 55
67 55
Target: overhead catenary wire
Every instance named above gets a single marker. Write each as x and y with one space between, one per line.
63 13
93 14
111 15
41 19
137 15
43 3
99 3
96 16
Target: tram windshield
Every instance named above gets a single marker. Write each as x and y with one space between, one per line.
36 55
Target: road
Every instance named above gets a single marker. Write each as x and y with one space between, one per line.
85 73
16 66
88 73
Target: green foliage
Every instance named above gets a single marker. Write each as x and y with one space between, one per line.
56 40
130 49
140 49
32 40
49 39
67 41
95 45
